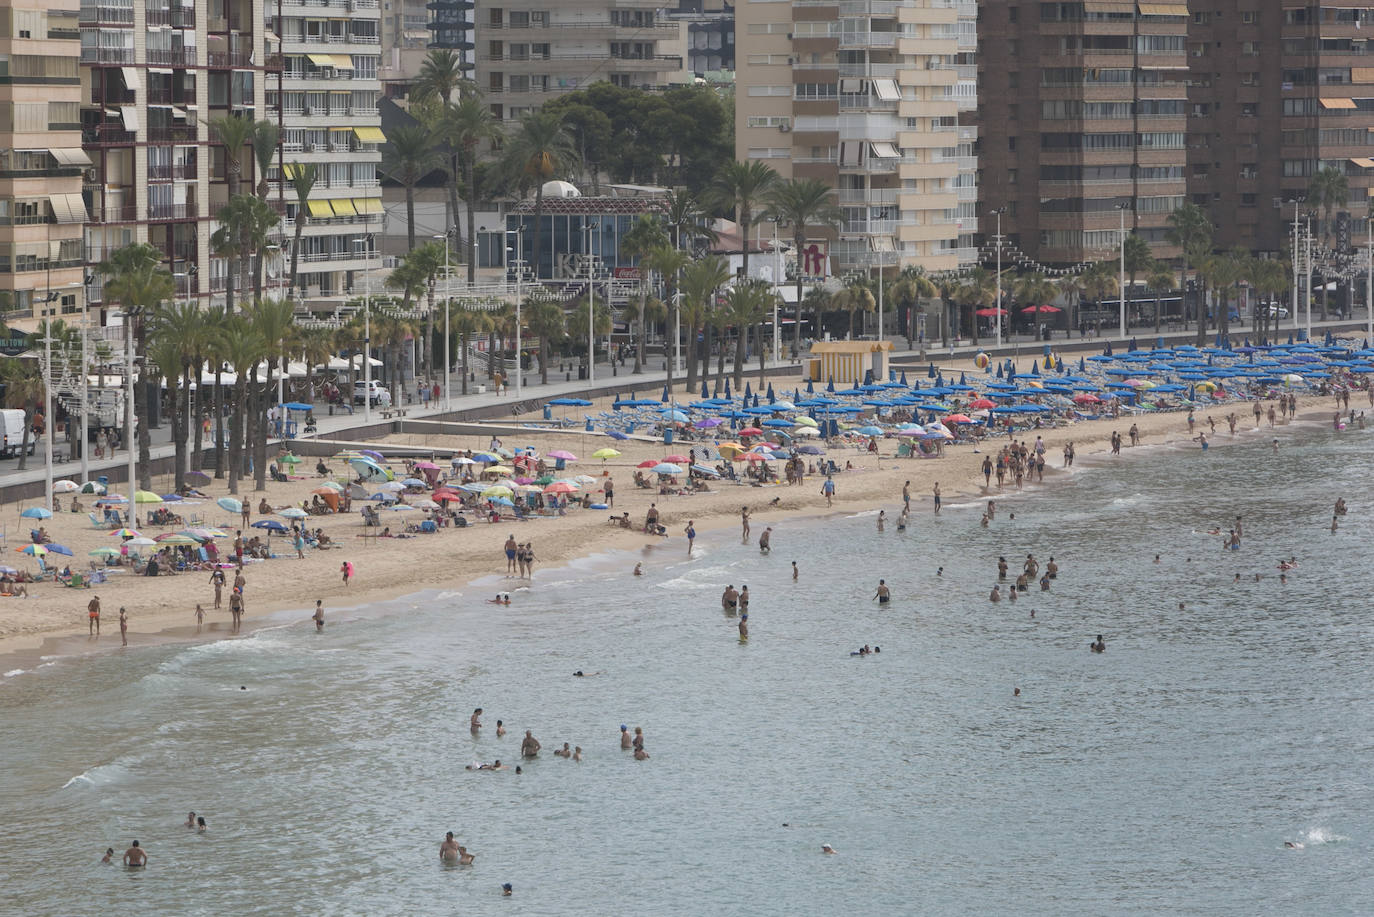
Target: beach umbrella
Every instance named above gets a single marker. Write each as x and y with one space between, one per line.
675 458
979 404
447 498
176 538
93 487
667 468
487 458
703 470
777 422
771 399
205 534
197 477
392 487
36 512
705 392
293 512
297 406
497 490
805 431
146 496
171 498
125 533
229 503
868 431
560 487
570 402
647 463
59 549
563 454
270 525
289 459
65 487
751 431
606 453
427 466
33 550
102 552
140 542
413 482
805 422
958 418
426 504
401 508
372 454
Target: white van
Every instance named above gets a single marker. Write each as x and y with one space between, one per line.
12 432
380 397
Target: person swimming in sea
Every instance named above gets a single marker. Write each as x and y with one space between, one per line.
883 595
1099 647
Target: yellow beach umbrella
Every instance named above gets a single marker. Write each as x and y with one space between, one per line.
805 422
146 496
497 491
604 454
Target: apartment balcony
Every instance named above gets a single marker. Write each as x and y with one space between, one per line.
118 213
171 57
178 18
106 15
172 212
870 71
183 134
107 135
870 196
927 46
861 40
224 60
111 56
179 172
869 227
874 9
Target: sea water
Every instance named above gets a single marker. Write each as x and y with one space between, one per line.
1163 775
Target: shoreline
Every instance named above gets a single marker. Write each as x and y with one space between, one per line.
453 559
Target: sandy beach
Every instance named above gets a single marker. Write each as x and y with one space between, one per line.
388 567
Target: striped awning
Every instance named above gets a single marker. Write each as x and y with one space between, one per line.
367 204
320 209
343 207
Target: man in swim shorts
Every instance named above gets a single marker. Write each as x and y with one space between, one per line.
883 595
729 598
135 856
448 850
510 554
93 613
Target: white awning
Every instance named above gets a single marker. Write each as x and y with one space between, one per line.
295 370
132 79
130 113
851 87
886 151
849 153
886 90
883 244
71 157
68 208
178 113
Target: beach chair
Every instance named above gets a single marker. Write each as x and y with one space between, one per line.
77 581
428 527
96 521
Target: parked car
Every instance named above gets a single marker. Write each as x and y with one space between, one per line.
379 396
1274 310
12 432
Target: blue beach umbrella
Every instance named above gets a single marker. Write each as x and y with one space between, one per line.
36 512
271 525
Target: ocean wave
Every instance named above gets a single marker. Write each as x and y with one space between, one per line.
13 672
1316 836
100 775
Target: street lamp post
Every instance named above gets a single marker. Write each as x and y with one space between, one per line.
448 304
777 286
591 303
1121 281
519 296
881 264
1307 269
129 396
361 244
85 387
1368 281
47 403
997 317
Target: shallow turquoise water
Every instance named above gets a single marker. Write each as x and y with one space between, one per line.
1163 775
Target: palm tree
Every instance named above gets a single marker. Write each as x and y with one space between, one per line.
1270 278
178 333
136 279
1159 279
1071 287
441 73
1033 289
266 138
243 348
580 325
978 291
1191 230
855 297
1100 281
274 322
742 187
303 177
465 321
700 281
427 264
910 286
541 150
246 224
803 203
235 132
1328 190
686 220
467 126
669 262
23 391
746 305
202 349
1230 270
645 236
1138 260
546 321
408 156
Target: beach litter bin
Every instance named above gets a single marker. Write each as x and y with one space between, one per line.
668 436
548 412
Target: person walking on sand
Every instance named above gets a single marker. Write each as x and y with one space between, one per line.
346 569
123 627
828 490
200 617
608 488
691 536
217 580
93 615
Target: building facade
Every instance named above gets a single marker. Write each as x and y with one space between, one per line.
41 163
529 51
1083 127
861 94
328 108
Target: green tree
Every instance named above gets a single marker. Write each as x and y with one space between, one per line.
1328 189
742 188
854 297
978 290
546 321
700 281
246 224
178 332
408 156
803 204
24 391
907 290
274 322
1270 278
686 220
1159 279
136 279
541 150
465 320
669 262
441 75
1071 287
235 132
242 348
748 304
426 263
1138 260
1100 281
468 125
266 139
1191 230
580 327
646 235
303 178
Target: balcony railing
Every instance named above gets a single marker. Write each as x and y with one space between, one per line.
186 134
171 56
106 135
107 55
227 59
107 15
180 170
171 211
179 18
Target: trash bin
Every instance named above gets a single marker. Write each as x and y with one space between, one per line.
581 372
481 389
548 412
668 436
104 481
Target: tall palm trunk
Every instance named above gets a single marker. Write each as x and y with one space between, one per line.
741 334
238 409
150 393
296 249
219 420
472 220
260 440
429 336
758 336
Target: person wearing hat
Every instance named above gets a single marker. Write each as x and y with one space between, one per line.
625 739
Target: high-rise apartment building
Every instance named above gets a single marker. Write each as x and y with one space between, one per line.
155 73
1278 91
41 162
860 94
1082 121
328 97
529 51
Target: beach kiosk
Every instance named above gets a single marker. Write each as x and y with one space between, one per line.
848 362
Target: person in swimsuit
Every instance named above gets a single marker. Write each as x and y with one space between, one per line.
318 617
691 533
448 850
530 746
108 857
510 554
744 523
217 580
744 625
766 541
475 721
729 598
996 594
883 595
1099 646
93 614
135 856
625 739
123 627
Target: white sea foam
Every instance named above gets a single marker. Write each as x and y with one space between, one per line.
13 672
1316 836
